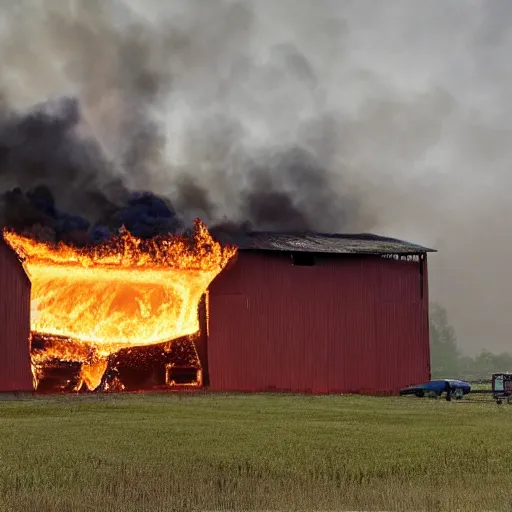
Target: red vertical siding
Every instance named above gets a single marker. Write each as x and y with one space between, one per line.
425 318
15 371
347 324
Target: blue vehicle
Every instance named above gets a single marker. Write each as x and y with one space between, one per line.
452 387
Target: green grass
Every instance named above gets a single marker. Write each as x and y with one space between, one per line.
166 452
484 386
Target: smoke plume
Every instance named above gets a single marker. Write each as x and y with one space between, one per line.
389 117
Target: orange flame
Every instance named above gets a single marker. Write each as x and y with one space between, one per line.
121 293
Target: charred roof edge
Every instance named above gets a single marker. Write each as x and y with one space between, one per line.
327 243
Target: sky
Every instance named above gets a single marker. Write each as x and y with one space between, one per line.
395 114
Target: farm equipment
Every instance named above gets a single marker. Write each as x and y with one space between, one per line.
498 389
452 387
502 387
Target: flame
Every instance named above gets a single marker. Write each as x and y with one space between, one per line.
125 292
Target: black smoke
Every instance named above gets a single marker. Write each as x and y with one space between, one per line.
65 187
78 165
53 167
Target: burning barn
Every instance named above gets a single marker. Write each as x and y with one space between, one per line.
120 314
112 290
267 311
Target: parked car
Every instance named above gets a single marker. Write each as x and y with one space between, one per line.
452 387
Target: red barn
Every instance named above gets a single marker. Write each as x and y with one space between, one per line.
15 371
311 313
320 313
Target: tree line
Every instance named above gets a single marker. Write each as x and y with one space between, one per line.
447 359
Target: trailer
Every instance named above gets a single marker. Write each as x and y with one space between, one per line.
502 387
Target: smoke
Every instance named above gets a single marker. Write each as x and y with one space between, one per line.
391 117
177 102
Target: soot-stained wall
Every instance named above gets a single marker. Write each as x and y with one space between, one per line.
15 371
347 324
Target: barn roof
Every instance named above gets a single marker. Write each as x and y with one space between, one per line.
364 243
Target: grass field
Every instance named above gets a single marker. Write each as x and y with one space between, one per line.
166 452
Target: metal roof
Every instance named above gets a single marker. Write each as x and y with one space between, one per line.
364 243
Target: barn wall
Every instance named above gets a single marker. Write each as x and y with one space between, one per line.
201 339
347 324
15 371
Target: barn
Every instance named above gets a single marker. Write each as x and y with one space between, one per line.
320 313
15 372
311 313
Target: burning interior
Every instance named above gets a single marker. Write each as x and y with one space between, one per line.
123 314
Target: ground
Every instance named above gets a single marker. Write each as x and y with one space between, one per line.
161 452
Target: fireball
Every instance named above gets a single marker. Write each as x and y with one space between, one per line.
125 292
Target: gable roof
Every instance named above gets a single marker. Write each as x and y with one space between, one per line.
363 243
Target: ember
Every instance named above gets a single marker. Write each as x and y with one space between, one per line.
126 292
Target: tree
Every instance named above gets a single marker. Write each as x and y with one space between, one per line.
487 363
445 356
448 362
